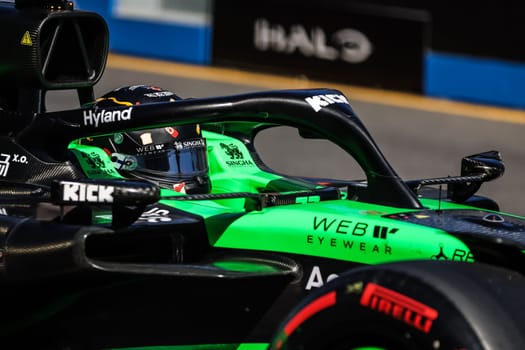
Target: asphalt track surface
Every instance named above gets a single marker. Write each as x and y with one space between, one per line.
420 137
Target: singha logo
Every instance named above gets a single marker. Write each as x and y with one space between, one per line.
232 151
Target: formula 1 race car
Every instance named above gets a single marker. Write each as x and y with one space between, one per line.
145 220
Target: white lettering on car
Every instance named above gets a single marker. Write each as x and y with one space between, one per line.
315 280
155 215
94 118
319 101
4 164
79 192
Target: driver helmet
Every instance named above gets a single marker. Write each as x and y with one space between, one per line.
173 157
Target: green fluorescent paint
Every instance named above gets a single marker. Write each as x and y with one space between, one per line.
94 161
243 266
338 229
319 230
307 199
232 168
443 204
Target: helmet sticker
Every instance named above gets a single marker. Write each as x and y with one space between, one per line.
123 161
118 138
180 187
146 138
113 99
195 143
140 86
159 94
172 131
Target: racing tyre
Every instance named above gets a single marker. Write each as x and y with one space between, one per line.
411 305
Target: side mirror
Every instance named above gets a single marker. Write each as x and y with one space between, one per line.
481 167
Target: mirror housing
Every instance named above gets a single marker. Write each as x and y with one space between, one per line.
480 167
47 45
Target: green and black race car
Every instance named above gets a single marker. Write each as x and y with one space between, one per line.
146 220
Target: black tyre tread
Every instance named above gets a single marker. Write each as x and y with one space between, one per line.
490 298
487 298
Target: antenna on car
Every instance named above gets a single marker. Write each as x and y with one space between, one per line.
439 199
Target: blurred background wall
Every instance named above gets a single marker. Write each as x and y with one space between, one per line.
448 49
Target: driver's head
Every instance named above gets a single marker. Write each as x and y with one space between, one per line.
174 157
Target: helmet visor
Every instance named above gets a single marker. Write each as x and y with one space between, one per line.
179 159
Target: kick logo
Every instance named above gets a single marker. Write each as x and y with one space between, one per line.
320 101
80 192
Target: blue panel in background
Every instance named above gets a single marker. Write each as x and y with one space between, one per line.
456 77
102 7
180 43
475 79
170 41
